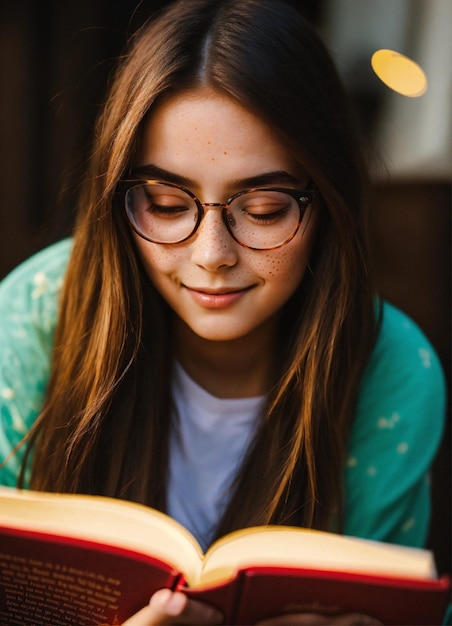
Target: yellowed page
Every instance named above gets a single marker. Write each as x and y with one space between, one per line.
284 546
111 521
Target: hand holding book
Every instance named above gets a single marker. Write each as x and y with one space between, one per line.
168 607
173 607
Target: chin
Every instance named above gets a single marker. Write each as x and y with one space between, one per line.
219 336
218 331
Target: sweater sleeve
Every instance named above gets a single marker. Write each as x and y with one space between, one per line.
28 314
395 436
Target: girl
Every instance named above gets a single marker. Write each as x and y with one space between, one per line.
210 342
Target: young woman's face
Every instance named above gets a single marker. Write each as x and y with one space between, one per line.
220 290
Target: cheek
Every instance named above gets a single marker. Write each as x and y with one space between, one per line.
285 267
289 263
156 259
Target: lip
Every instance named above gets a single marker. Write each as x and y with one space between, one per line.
217 298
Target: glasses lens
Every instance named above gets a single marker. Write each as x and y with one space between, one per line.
161 213
264 219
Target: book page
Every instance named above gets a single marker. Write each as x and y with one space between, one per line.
104 520
297 547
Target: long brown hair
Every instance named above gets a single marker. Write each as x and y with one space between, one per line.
105 424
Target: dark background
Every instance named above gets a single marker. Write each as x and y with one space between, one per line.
55 60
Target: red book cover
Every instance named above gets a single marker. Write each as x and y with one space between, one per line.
267 592
48 580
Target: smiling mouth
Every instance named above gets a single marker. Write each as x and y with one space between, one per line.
217 298
218 292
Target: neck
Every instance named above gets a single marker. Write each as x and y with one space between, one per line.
241 368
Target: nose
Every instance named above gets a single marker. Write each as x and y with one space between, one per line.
213 248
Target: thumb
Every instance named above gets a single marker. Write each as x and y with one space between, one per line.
163 607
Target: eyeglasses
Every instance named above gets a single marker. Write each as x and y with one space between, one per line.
259 219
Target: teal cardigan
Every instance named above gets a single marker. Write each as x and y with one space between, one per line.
395 434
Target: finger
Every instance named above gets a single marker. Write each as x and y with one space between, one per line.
167 607
314 619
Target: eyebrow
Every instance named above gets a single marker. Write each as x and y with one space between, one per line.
277 177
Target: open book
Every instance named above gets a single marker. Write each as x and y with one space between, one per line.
85 560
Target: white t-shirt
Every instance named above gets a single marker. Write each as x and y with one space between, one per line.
209 439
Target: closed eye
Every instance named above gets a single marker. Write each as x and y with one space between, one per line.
166 209
268 217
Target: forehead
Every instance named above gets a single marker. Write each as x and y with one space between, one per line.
201 133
